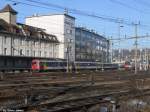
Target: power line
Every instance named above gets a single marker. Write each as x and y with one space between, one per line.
141 2
79 12
128 38
93 15
74 11
128 6
33 5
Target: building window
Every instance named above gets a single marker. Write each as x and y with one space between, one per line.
39 53
5 51
27 43
17 31
69 31
34 43
42 35
13 41
45 45
21 52
13 51
45 53
50 54
21 42
33 53
5 40
40 44
27 52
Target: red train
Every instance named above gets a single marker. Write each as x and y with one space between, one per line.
128 66
48 65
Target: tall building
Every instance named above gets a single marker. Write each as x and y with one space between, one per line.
61 25
90 46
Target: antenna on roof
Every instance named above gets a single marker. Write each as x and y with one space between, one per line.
16 3
35 14
65 11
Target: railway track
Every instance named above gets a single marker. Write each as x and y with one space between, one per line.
38 90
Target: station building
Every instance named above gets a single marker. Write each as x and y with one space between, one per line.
19 43
90 46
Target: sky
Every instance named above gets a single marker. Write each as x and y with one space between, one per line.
131 11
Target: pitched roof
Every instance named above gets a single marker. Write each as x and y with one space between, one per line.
26 31
8 8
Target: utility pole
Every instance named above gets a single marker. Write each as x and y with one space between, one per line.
111 50
102 60
146 59
67 57
119 43
136 47
119 50
69 41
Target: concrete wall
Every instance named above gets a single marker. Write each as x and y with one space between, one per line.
14 45
8 17
57 25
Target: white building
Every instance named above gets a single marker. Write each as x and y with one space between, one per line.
61 25
23 40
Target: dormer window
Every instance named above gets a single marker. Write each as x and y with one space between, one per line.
42 35
17 31
21 52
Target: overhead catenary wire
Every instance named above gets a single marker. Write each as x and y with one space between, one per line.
128 6
144 3
80 12
74 11
28 4
145 36
85 13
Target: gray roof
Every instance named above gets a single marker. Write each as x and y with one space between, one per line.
8 8
30 32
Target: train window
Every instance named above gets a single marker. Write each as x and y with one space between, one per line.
5 62
41 63
33 63
48 64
